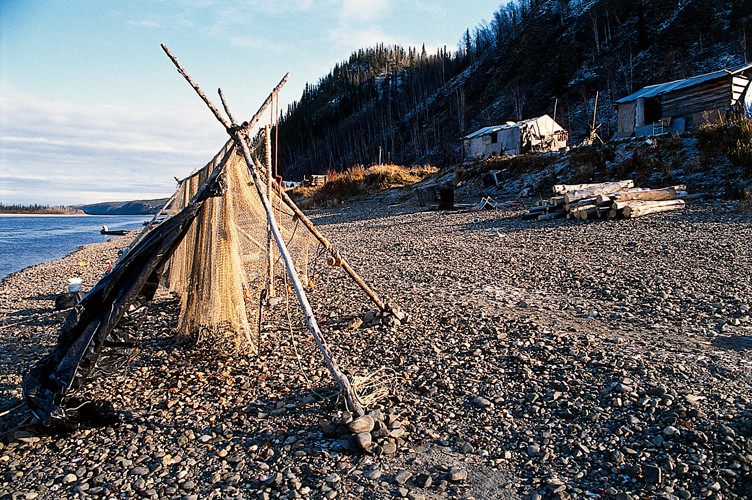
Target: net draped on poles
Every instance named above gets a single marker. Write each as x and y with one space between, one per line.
222 265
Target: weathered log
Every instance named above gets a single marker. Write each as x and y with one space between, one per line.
650 207
603 211
530 215
609 196
588 213
553 215
557 201
540 208
570 188
696 196
611 187
649 195
619 205
580 204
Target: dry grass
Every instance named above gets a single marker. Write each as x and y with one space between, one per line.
729 145
360 180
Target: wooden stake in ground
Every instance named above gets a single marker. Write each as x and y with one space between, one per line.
242 141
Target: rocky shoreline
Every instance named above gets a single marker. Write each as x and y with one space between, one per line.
560 359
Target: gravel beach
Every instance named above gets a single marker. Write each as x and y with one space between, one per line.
558 359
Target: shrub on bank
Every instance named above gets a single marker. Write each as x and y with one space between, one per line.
357 180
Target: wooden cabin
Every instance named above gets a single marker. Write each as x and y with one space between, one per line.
535 134
685 104
315 180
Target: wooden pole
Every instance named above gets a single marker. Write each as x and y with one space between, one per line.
595 109
341 378
269 174
556 103
224 105
337 259
198 90
249 125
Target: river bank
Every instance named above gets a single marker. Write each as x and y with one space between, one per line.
558 359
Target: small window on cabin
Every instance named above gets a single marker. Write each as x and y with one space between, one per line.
494 138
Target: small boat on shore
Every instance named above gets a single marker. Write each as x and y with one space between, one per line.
113 232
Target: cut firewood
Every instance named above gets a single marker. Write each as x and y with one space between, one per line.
588 213
640 208
608 199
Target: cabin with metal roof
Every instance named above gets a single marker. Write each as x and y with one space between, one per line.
685 104
513 138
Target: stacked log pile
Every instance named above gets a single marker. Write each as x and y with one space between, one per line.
608 199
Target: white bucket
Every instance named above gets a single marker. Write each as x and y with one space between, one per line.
74 284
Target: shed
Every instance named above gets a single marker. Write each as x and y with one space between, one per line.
513 138
685 104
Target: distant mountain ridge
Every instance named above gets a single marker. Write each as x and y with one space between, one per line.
136 207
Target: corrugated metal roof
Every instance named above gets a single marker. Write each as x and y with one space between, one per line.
664 88
496 128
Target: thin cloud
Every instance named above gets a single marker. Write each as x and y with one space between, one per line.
142 24
71 149
248 42
363 10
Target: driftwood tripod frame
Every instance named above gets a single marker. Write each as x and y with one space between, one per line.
240 136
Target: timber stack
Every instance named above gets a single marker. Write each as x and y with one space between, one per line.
608 199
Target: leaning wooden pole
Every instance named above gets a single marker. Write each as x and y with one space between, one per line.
269 175
241 141
336 259
341 378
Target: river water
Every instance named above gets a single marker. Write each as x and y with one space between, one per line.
26 240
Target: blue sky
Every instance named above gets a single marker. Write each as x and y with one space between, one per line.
92 110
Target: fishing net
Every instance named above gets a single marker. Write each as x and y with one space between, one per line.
222 267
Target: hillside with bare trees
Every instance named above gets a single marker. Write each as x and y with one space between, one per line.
409 106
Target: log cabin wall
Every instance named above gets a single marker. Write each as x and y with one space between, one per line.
714 94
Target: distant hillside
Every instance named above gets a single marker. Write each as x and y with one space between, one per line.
409 107
38 210
138 207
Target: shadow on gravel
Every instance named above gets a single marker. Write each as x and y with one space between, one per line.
733 342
